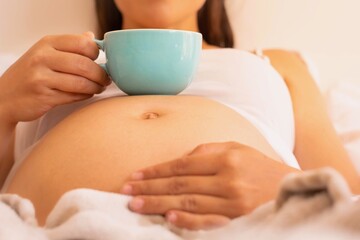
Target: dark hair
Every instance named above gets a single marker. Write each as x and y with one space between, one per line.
213 21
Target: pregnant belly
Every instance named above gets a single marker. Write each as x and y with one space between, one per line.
100 145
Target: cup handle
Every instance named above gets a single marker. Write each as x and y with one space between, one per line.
100 44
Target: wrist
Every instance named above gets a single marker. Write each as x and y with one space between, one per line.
6 122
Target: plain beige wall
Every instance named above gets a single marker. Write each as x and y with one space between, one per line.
325 29
23 22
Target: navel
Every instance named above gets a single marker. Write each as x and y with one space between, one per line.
150 115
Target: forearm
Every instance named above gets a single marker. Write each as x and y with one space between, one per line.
7 139
316 142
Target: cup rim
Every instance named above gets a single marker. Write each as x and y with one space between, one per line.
153 29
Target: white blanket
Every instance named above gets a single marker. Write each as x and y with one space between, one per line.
310 205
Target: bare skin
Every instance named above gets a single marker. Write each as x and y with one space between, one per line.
98 146
32 84
57 70
316 146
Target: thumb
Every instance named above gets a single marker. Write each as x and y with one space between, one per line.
211 148
89 34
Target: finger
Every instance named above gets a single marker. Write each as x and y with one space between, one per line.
79 44
74 84
175 186
200 204
78 65
71 98
57 97
213 148
203 160
89 34
206 164
194 222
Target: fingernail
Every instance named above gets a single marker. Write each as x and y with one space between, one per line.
137 176
136 204
89 34
127 189
171 217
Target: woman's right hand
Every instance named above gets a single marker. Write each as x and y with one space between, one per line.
57 70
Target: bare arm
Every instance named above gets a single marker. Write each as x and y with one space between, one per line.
57 70
7 137
316 143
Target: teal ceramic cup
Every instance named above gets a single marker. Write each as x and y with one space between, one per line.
151 61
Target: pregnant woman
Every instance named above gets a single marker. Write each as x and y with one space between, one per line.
212 153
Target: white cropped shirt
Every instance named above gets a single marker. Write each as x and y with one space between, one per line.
238 79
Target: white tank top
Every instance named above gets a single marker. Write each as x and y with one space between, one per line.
238 79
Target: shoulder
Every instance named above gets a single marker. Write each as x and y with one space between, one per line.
289 64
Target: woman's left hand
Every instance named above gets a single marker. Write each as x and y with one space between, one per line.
206 188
